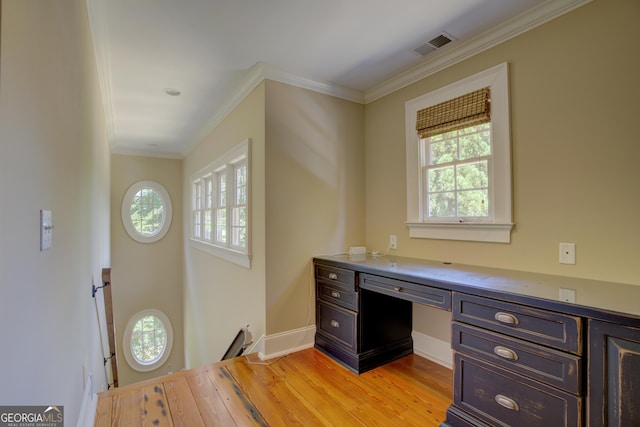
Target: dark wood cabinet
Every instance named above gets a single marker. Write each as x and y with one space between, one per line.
614 375
342 310
549 366
544 327
499 397
520 358
516 365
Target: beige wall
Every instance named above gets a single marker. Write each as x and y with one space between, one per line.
221 297
574 149
307 180
574 175
53 155
314 194
147 275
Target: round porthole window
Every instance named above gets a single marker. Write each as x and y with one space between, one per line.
148 339
146 211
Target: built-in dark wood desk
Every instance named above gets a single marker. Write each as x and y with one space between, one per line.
521 356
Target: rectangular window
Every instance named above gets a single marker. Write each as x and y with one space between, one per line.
221 206
459 161
196 191
239 208
456 174
221 200
208 194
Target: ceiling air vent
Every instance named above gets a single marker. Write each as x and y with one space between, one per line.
433 44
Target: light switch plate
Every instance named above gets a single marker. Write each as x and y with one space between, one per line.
46 229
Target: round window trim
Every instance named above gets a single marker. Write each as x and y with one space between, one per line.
126 212
129 356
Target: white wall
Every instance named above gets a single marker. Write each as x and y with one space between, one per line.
53 155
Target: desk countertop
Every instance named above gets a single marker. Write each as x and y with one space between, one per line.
594 298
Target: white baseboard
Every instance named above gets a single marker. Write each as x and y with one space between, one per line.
431 348
281 344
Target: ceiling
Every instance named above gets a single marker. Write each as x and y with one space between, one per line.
214 51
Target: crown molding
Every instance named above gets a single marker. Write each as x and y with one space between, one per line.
256 74
127 151
458 52
437 61
251 81
272 73
99 37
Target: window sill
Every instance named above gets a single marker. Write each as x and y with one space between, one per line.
239 258
498 233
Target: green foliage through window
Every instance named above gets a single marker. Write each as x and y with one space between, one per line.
457 173
148 339
147 211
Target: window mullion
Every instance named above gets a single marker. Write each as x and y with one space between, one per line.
230 195
199 208
455 187
202 208
455 174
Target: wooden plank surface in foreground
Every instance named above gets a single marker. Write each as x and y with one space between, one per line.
304 388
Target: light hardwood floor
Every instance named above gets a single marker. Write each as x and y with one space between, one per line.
305 388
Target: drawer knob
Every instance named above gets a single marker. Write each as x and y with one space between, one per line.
507 402
505 353
335 294
335 324
506 318
333 276
397 289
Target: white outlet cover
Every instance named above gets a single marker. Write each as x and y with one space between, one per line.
46 229
567 253
567 295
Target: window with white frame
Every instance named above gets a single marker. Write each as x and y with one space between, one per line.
147 340
459 161
146 211
220 207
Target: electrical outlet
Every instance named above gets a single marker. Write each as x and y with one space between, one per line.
567 253
567 295
393 242
46 229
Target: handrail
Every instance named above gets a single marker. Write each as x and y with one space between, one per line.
108 311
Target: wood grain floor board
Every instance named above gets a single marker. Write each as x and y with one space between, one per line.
242 410
329 388
211 407
366 401
305 388
182 403
272 395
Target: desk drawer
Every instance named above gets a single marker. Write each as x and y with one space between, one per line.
550 366
505 399
415 292
540 326
337 324
338 295
336 275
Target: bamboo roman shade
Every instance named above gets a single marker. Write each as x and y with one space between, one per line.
471 109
